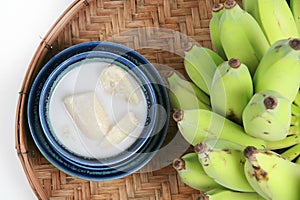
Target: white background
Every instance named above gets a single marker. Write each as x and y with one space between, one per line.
23 24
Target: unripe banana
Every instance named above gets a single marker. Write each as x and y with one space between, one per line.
298 160
294 130
184 94
231 89
281 62
295 8
192 174
198 125
297 99
292 152
225 166
224 194
285 143
200 64
224 144
274 17
295 110
241 36
272 176
267 116
214 28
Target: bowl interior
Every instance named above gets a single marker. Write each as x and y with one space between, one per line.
80 74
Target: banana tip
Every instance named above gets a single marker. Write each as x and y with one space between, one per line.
234 63
270 102
295 43
178 164
200 148
178 115
169 73
203 197
250 151
228 4
217 7
189 47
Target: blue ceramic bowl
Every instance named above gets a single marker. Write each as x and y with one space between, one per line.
139 153
76 63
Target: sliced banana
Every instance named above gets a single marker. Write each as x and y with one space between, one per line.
123 128
88 114
117 81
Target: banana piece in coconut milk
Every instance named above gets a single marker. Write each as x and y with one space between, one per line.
116 81
123 128
88 114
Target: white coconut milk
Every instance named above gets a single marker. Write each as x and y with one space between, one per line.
85 78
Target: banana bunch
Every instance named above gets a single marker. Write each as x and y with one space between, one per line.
247 143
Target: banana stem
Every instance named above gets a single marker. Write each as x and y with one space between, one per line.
292 152
178 164
285 143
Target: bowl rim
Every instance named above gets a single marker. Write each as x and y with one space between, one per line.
67 166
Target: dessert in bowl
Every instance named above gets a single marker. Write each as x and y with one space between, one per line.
99 112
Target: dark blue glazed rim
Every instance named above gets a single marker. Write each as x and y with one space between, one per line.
138 160
76 61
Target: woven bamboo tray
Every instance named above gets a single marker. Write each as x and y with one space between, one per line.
158 29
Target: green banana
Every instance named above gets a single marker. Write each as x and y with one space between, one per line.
200 64
197 125
231 89
223 144
292 152
184 94
295 8
295 110
267 116
274 17
281 62
297 99
241 36
272 176
224 194
214 28
225 166
294 120
298 160
192 174
285 143
294 130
